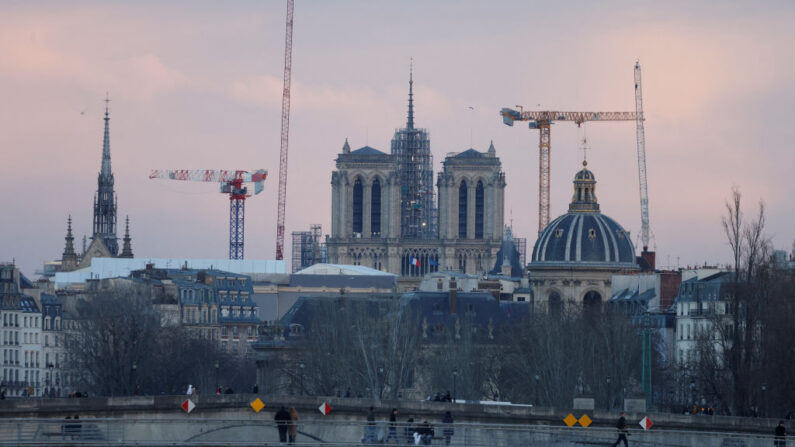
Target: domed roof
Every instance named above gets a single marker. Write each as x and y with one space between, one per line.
587 239
583 237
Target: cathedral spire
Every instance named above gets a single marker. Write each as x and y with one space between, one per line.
410 124
126 251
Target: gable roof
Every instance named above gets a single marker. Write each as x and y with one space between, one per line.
469 153
367 150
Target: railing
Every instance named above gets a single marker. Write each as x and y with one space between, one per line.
261 430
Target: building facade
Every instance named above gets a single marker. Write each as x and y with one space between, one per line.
577 254
384 213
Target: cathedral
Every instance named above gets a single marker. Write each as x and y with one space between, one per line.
385 214
104 243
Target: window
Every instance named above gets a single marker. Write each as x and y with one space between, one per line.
591 233
462 210
358 206
375 209
479 205
559 233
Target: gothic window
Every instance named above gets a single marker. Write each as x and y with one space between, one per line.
462 210
358 206
375 209
479 211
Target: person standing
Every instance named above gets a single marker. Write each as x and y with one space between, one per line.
447 431
780 435
282 419
292 429
393 427
621 425
409 430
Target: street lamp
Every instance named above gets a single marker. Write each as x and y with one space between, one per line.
301 365
132 376
538 379
609 379
217 365
50 367
455 374
764 399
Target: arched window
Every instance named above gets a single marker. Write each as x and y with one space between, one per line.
375 209
479 211
555 304
462 210
358 206
592 304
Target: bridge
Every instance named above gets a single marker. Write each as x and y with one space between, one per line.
228 420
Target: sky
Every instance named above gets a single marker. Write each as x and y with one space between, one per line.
197 85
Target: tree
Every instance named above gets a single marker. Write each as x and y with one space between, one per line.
552 357
368 345
119 347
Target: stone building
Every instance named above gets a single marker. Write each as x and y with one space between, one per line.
384 211
576 255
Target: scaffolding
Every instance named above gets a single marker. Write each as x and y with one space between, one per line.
308 248
412 148
521 247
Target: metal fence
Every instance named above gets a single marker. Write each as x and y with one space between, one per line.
188 430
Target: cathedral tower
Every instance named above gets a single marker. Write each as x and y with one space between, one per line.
105 198
412 148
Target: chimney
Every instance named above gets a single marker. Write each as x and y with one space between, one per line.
649 256
453 297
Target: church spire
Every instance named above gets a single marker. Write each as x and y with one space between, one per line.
105 172
410 124
126 251
105 198
69 258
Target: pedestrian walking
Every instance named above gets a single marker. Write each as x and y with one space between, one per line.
447 431
780 439
369 429
393 427
292 429
621 425
282 419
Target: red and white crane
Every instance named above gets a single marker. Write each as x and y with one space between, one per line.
232 183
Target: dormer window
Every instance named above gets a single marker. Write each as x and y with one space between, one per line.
559 233
592 234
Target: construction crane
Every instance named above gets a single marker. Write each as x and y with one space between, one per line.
542 121
232 184
641 137
288 64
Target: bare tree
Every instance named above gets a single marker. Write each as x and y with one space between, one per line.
119 348
368 345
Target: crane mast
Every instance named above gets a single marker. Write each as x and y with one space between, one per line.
641 136
288 63
542 120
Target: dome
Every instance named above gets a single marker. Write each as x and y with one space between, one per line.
584 236
577 238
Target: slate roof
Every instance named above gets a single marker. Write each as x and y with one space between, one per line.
367 150
469 153
588 239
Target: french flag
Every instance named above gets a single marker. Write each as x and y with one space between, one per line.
415 262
